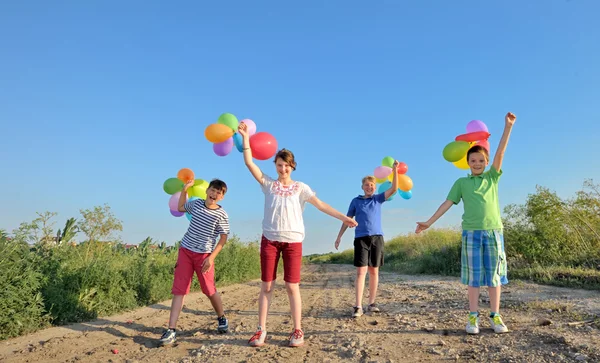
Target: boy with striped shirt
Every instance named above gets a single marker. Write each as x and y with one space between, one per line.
198 251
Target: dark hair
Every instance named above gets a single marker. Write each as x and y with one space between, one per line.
478 149
287 156
218 185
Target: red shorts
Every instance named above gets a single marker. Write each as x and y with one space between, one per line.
187 263
269 258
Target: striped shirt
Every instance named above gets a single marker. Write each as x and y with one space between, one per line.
205 227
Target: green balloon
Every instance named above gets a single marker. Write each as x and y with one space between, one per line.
228 120
455 151
388 161
172 186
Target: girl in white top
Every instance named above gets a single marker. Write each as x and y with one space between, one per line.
283 233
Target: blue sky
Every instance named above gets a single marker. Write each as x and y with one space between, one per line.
100 102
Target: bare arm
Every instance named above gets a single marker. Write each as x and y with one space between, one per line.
211 259
183 196
421 226
340 234
509 121
394 187
327 209
254 169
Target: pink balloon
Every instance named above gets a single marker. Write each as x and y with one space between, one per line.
251 126
176 213
485 144
381 172
475 126
174 201
223 148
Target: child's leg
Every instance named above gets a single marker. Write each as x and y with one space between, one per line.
373 282
269 258
292 264
176 306
494 299
182 281
472 266
473 299
217 304
207 283
361 273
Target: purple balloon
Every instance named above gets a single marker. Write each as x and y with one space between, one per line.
251 126
174 201
475 126
223 148
176 213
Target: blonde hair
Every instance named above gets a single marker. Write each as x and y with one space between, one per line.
370 179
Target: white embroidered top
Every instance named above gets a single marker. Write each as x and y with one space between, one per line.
282 221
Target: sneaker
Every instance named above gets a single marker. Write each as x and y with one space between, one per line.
473 324
296 338
258 339
358 311
498 325
373 308
223 324
168 337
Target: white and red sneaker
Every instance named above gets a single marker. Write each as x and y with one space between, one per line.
258 339
296 338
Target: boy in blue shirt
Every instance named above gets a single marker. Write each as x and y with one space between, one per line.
368 237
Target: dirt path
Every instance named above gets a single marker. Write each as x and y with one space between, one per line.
422 319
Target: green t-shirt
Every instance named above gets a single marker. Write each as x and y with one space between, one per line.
480 197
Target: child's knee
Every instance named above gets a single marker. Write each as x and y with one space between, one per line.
373 270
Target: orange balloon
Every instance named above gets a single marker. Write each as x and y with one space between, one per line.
217 133
405 183
185 175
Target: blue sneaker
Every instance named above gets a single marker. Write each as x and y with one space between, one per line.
168 337
223 324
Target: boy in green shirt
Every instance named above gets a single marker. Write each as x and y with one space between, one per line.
483 261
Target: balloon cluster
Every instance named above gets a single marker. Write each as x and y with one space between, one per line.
456 151
384 176
174 186
223 134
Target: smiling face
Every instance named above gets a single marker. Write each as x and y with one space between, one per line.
215 192
284 169
478 159
369 188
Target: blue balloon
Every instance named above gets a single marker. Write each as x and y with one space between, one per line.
238 141
405 195
187 215
385 186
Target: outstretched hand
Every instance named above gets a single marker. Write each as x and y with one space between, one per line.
350 222
421 226
243 129
510 118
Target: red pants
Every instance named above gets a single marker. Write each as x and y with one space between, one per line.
187 263
269 258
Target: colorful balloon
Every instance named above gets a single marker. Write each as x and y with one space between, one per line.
462 163
176 213
402 168
405 183
381 172
188 216
185 175
379 181
223 148
473 136
228 120
172 185
251 126
238 141
217 133
385 186
475 126
198 190
388 161
263 145
455 150
485 144
174 201
405 195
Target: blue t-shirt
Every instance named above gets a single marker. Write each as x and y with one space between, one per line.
367 212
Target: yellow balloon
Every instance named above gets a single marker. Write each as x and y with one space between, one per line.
199 189
391 176
405 183
462 163
380 180
216 133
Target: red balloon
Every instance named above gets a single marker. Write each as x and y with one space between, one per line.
263 145
402 168
473 136
485 144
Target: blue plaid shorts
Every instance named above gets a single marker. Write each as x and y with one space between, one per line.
483 258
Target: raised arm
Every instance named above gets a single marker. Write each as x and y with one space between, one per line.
394 187
254 169
183 196
509 121
421 226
